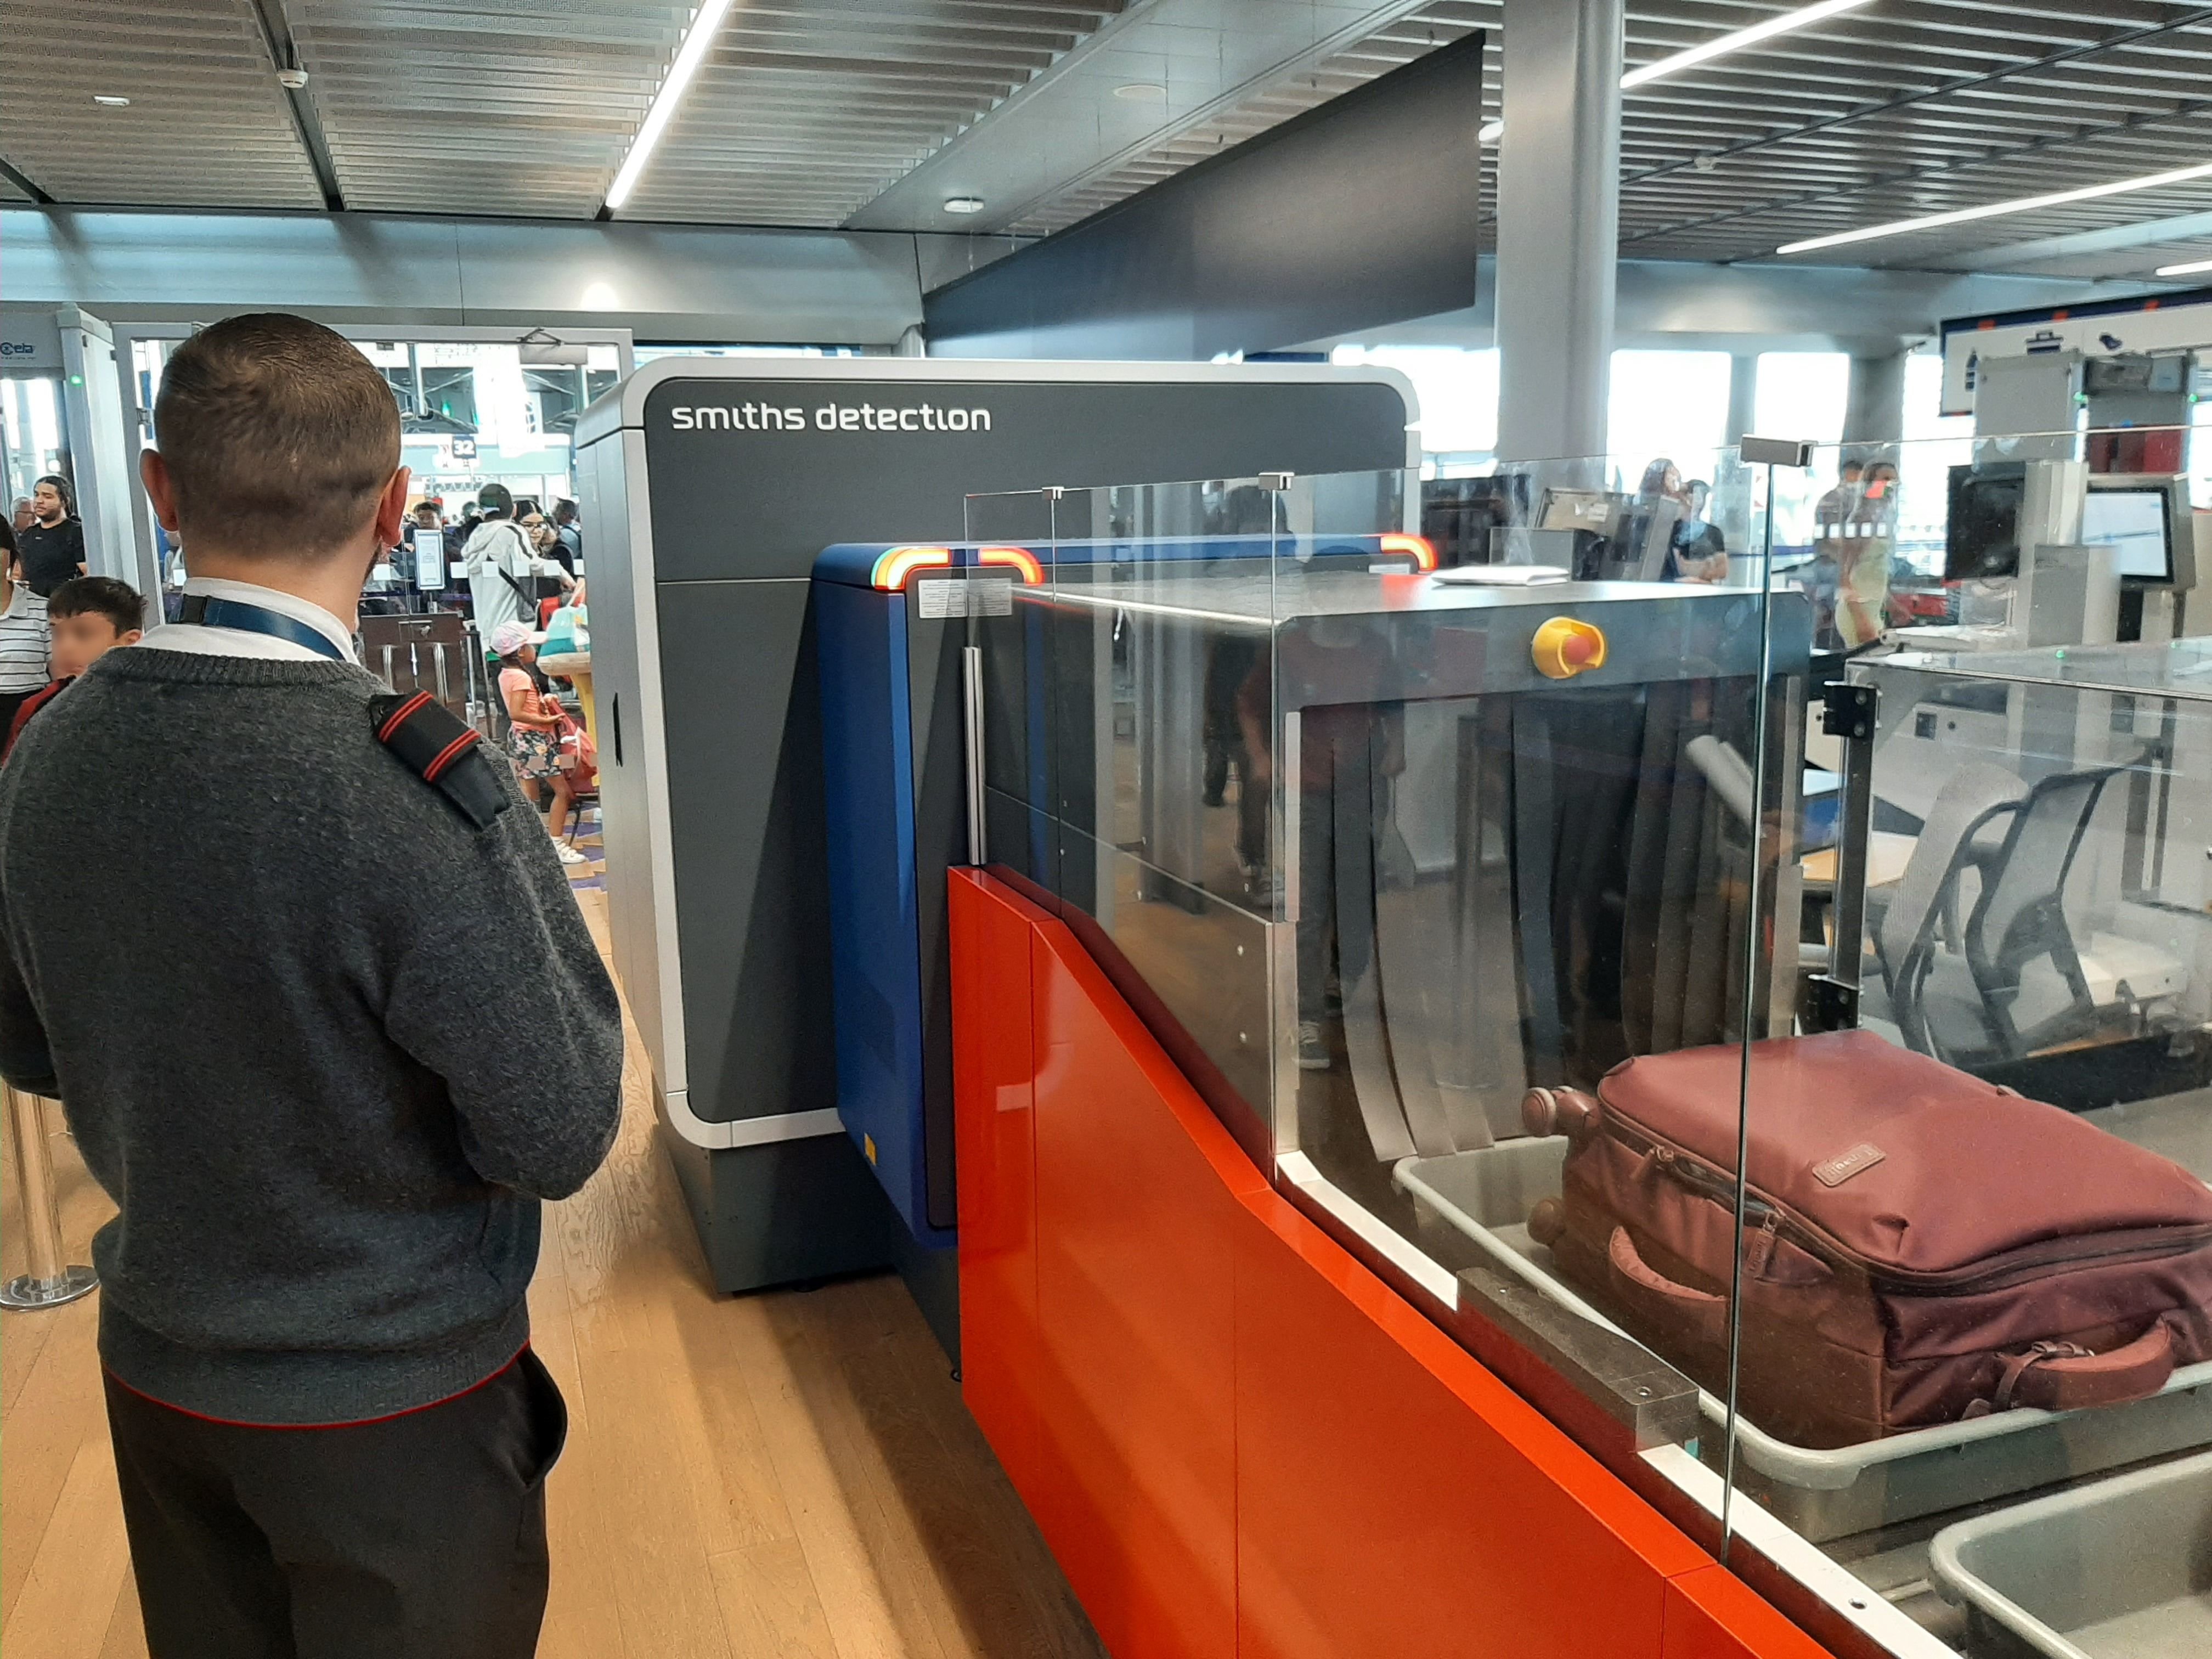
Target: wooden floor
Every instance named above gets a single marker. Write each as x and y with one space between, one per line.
787 1474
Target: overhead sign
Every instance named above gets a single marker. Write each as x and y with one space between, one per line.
2155 323
30 338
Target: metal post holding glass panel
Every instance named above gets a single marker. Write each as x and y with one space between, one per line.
49 1282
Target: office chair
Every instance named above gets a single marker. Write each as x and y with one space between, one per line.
2016 985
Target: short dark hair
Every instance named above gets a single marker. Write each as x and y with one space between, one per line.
495 499
564 511
278 435
101 596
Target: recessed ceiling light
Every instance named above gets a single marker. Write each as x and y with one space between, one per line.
1490 130
963 205
1999 209
1143 92
2188 270
109 100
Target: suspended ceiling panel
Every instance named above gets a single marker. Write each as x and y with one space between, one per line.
872 113
206 127
1909 108
482 106
1158 67
807 109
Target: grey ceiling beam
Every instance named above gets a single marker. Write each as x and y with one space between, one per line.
23 181
1064 127
285 54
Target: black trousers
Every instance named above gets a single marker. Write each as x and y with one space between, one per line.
423 1536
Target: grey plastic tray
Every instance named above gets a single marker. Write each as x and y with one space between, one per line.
1485 1197
2118 1570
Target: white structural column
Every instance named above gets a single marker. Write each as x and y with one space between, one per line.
1558 226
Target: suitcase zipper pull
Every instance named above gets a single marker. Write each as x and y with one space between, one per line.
1760 1251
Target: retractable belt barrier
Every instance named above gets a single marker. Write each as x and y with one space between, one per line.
49 1283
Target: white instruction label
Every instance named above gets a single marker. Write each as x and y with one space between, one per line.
943 597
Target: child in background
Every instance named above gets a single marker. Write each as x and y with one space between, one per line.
533 738
88 616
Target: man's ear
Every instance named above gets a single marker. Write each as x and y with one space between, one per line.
130 636
392 509
153 473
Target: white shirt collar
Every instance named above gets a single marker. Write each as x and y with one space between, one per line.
284 605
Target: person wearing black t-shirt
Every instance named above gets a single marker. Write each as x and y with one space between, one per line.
53 547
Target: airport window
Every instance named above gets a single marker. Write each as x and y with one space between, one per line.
33 431
1458 392
1667 404
1934 443
1802 394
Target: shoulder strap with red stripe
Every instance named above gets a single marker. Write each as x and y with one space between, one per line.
442 749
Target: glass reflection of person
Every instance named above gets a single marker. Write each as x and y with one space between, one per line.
1698 552
1861 546
1349 752
1233 657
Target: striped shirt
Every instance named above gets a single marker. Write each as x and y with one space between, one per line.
22 643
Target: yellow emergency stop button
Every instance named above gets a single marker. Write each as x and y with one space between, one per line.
1565 647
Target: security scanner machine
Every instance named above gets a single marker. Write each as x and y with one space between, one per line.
65 415
1850 1207
893 624
711 487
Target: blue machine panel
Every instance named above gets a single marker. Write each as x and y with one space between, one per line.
868 784
879 911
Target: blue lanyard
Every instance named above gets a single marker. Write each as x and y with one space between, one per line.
203 611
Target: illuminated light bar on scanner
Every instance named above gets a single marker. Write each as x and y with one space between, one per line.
1417 548
896 564
1018 558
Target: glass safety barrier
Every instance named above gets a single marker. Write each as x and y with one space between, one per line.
1736 958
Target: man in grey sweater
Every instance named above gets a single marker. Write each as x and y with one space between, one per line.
327 1024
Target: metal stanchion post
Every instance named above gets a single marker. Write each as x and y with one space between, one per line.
49 1283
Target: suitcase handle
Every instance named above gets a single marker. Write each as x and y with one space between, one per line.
1656 1295
2057 1377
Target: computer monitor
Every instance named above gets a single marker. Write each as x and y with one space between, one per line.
2137 524
1981 538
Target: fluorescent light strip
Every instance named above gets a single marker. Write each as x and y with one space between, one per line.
2189 270
1998 210
688 56
1721 45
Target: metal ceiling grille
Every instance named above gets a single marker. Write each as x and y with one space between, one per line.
1910 107
1905 108
206 124
805 110
482 106
808 108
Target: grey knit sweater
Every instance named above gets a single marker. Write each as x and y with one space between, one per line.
325 1044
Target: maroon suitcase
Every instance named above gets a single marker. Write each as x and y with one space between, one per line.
1919 1246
